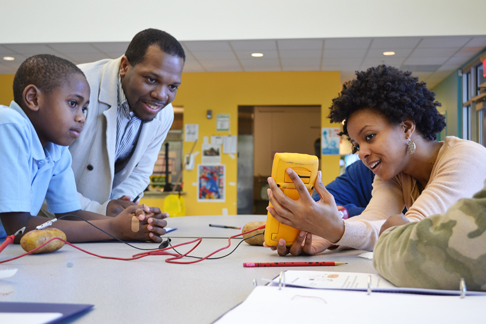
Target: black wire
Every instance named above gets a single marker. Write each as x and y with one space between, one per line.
161 246
220 257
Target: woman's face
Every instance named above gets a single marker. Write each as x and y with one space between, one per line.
380 144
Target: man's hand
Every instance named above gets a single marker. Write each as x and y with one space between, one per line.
394 220
116 206
305 243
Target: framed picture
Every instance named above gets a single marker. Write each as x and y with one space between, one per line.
211 183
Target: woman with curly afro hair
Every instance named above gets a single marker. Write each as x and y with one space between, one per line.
391 119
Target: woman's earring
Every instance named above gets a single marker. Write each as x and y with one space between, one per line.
411 146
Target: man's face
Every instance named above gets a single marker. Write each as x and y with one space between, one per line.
151 84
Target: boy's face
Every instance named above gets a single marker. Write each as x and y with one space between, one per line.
151 84
61 113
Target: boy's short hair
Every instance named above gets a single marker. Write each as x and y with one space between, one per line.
141 41
45 71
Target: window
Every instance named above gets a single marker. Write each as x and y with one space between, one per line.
481 88
473 103
482 127
466 109
480 78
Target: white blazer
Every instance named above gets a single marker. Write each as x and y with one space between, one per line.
94 151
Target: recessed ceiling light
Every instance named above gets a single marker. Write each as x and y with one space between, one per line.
8 58
257 54
388 53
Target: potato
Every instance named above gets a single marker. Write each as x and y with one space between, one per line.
257 240
36 238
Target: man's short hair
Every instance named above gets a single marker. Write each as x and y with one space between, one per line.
45 71
167 43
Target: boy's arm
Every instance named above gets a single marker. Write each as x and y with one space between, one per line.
150 228
141 213
75 231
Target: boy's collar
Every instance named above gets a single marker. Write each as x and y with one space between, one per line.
38 153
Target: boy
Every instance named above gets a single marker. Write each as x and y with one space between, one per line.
51 96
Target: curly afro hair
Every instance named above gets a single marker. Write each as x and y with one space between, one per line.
395 94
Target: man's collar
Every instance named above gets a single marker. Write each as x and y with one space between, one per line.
123 102
108 86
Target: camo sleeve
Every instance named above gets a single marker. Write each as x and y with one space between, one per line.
439 250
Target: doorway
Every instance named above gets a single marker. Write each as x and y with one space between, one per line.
262 132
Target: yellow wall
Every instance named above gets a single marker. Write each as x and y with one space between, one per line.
6 92
223 93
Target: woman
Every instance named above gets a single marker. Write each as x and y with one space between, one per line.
392 120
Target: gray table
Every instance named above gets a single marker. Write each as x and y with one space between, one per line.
150 290
198 226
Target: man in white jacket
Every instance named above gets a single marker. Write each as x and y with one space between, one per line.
128 118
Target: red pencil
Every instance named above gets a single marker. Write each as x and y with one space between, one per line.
291 264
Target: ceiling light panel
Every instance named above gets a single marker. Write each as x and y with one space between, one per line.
254 45
300 44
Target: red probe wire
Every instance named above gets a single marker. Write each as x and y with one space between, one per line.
144 254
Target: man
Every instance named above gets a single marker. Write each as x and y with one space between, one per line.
128 118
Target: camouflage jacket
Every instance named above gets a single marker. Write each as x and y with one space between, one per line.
439 250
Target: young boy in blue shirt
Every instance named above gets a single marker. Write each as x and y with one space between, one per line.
51 98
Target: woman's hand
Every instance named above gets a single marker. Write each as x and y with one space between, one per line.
394 220
321 218
305 243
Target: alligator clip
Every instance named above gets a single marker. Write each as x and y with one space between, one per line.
9 239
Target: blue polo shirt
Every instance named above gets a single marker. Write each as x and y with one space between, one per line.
30 173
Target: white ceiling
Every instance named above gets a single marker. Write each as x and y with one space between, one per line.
432 59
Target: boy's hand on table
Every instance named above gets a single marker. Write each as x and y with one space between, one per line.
154 212
305 243
151 223
154 218
116 206
394 220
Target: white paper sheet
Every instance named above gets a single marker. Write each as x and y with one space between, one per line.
268 304
28 318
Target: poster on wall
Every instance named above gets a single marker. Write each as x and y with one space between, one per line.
222 122
230 144
217 140
211 184
330 141
211 154
191 132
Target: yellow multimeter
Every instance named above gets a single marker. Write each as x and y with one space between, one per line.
306 166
